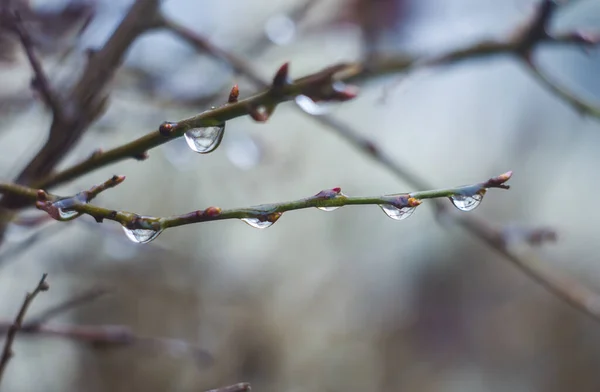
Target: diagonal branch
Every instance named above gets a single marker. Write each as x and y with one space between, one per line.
16 325
40 81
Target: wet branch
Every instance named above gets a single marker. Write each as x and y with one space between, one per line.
520 44
239 387
398 206
12 328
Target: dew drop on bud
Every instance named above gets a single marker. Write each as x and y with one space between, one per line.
206 139
466 203
312 107
66 214
280 29
141 236
262 222
397 213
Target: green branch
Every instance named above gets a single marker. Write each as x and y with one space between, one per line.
398 206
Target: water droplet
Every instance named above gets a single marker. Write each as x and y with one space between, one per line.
206 139
397 213
243 151
280 29
328 208
467 202
67 213
263 222
312 107
141 236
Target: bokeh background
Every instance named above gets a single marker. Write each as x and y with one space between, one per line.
322 301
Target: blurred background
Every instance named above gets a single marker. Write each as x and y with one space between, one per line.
322 301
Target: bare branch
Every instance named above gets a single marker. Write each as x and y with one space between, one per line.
398 206
17 324
40 81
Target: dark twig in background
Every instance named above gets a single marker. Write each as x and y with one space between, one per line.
17 324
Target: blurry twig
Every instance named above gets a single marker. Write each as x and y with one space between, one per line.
40 81
16 325
86 101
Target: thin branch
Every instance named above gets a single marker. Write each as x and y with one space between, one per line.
77 301
318 86
87 100
40 82
561 92
398 206
105 336
16 325
137 149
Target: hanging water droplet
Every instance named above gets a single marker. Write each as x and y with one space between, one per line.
397 213
280 29
328 208
262 222
141 236
467 203
67 213
206 139
312 107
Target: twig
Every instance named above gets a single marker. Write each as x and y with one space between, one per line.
86 101
111 336
81 299
40 82
16 325
397 206
344 72
567 96
318 85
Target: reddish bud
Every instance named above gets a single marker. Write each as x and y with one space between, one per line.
234 94
412 202
212 211
166 128
281 78
42 195
337 190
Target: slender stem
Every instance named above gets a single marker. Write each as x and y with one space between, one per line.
265 212
14 327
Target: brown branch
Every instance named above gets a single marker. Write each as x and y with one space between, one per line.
318 86
16 325
86 101
12 19
344 72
